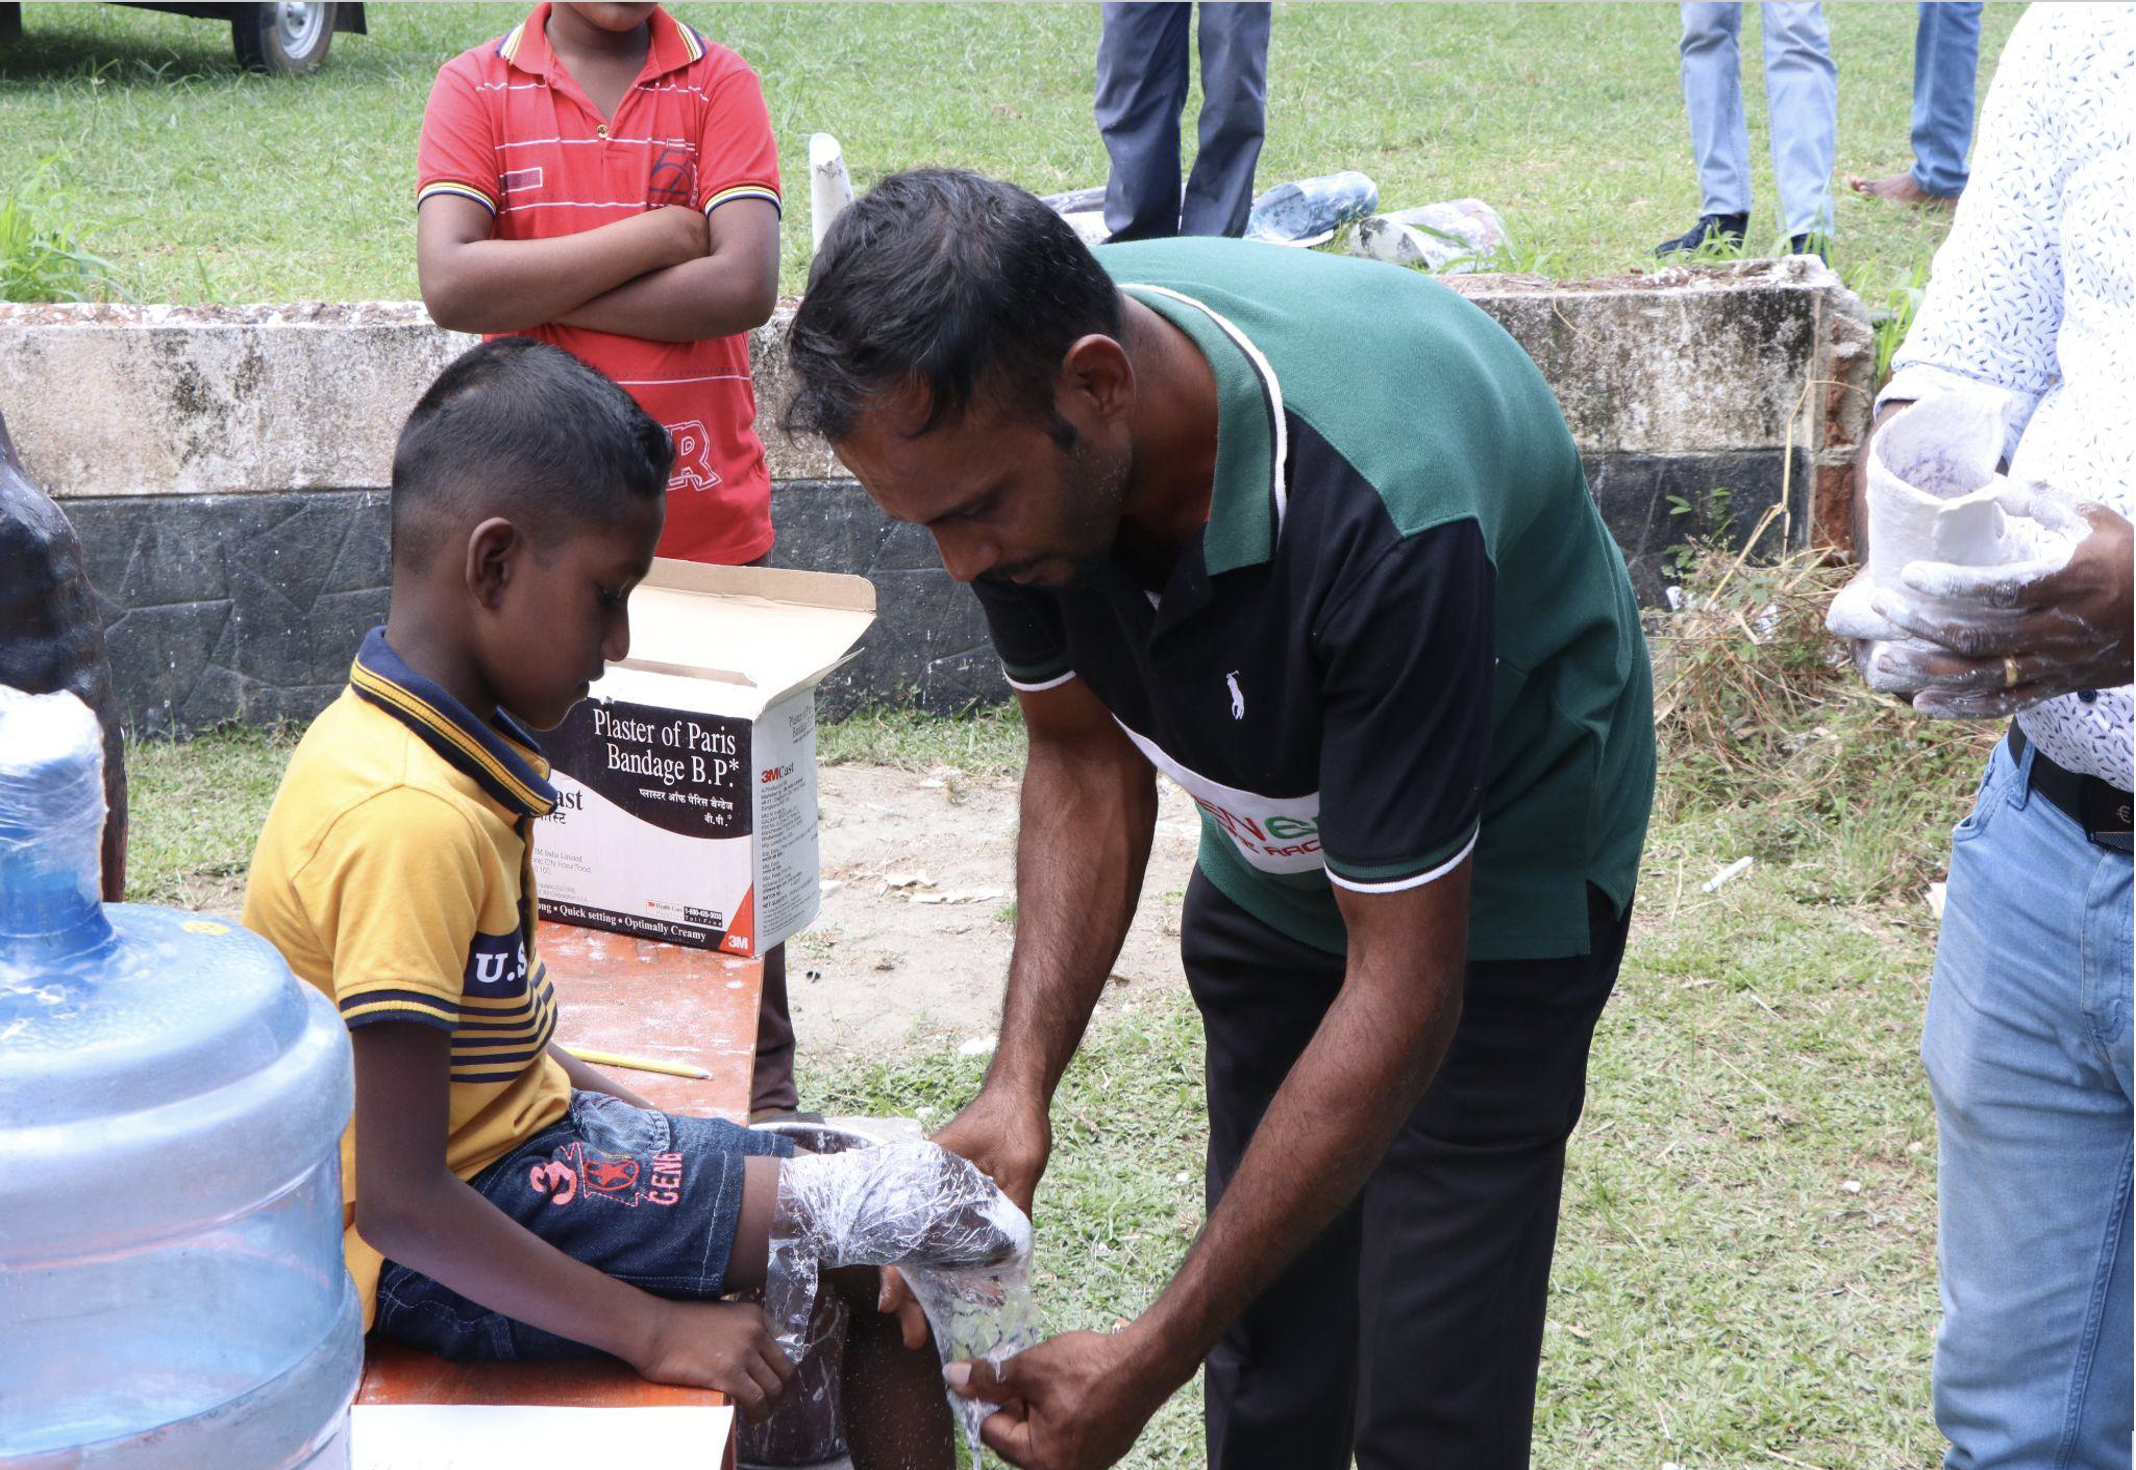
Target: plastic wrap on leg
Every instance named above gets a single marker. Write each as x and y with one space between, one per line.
808 1425
961 1243
979 1313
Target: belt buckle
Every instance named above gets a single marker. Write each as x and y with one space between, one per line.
2107 813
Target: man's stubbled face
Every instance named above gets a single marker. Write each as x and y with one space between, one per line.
1008 493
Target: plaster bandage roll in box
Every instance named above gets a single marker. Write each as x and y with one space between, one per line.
961 1244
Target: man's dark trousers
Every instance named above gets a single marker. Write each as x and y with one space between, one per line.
1412 1327
1142 86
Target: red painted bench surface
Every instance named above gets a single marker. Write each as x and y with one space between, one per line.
642 999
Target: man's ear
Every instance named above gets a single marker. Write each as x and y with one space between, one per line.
493 551
1096 371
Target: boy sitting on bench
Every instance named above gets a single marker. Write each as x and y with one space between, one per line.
501 1198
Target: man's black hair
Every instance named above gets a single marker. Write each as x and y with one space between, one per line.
521 424
950 281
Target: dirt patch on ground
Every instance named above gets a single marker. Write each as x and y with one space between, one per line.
220 897
919 880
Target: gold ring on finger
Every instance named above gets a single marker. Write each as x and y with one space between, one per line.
2009 672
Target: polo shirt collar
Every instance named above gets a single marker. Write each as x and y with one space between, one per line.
500 757
674 45
1248 500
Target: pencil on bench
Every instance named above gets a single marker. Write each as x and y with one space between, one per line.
636 1064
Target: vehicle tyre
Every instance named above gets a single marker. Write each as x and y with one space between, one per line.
284 39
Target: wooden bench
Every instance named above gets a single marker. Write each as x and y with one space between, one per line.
637 998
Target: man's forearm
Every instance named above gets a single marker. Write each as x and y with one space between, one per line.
712 297
1327 1128
1084 843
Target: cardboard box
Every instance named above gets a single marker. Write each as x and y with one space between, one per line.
687 776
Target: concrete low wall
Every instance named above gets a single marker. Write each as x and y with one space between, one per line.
226 467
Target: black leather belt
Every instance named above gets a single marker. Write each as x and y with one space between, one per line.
2101 808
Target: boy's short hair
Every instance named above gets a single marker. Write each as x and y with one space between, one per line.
949 280
524 424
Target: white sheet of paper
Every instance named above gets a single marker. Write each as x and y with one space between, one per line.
481 1437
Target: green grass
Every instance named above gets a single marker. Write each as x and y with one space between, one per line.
44 251
194 811
989 741
219 186
1722 1296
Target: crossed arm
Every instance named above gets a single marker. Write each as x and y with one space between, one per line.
667 275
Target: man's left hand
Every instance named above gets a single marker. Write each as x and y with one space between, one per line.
1074 1402
2047 629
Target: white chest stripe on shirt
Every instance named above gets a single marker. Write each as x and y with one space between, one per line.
1277 834
1262 366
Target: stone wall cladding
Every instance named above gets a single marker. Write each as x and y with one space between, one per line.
233 607
226 468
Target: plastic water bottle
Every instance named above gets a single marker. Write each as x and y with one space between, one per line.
1310 211
172 1292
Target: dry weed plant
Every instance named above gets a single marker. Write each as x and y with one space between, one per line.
1759 714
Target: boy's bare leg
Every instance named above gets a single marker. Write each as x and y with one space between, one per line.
751 1251
896 1412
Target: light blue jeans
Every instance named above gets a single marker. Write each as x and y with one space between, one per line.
2027 1049
1946 58
1802 98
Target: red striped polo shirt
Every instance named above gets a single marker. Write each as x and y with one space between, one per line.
509 128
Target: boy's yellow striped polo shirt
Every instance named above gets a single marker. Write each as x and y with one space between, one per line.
393 874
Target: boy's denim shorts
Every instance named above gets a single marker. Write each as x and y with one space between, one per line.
653 1199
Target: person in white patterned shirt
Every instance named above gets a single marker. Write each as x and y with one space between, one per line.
2032 301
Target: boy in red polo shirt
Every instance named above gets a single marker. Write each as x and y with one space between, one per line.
605 179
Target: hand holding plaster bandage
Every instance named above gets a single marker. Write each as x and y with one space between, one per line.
1934 496
2003 638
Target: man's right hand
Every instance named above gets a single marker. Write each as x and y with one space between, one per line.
720 1345
1009 1138
1008 1135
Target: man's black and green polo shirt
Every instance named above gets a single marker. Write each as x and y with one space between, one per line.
1403 634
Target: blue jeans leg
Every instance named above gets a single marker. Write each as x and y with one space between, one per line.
2027 1048
1946 59
1802 103
1234 74
1142 86
1713 96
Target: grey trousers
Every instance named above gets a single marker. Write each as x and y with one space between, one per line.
1142 86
